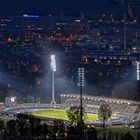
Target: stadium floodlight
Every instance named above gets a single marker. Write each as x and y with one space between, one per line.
81 83
138 70
53 67
81 77
53 63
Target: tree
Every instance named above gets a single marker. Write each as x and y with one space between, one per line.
12 127
110 135
1 126
92 134
74 115
104 113
44 131
128 137
57 129
22 126
138 135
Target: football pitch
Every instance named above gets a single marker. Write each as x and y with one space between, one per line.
61 114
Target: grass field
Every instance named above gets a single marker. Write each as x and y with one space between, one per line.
61 114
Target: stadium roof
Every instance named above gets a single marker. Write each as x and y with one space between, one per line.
102 98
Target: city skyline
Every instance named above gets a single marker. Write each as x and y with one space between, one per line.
67 7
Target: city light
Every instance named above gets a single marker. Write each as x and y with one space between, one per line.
30 16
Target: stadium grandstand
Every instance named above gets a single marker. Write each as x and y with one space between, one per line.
92 103
123 111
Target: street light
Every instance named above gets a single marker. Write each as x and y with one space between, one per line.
53 67
81 83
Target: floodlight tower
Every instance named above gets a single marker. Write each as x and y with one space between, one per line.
138 70
81 83
138 75
53 67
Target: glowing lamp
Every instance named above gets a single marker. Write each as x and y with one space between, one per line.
138 70
53 63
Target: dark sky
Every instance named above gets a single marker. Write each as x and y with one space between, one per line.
68 7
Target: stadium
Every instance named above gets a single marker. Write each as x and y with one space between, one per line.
124 112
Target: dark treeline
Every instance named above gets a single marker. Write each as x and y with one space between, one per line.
28 127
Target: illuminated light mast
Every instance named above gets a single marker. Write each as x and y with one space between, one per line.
81 83
53 67
138 70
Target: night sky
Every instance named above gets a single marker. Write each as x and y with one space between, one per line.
68 7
